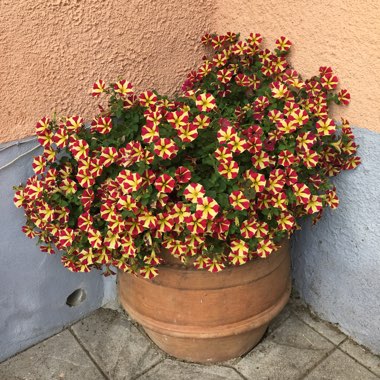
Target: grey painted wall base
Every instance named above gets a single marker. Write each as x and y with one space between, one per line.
33 285
336 263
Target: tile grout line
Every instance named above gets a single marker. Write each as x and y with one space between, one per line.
356 360
328 354
321 360
57 332
148 369
235 370
87 352
315 330
324 357
336 345
33 345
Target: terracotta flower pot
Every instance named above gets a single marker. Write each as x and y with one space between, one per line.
204 317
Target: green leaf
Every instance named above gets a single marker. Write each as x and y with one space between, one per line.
167 131
223 201
211 193
209 160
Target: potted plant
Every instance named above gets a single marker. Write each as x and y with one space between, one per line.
193 200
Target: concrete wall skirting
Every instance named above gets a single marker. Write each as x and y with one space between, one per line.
336 264
34 286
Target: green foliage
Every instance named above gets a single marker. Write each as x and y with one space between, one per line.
263 157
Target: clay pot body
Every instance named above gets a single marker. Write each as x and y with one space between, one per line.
206 317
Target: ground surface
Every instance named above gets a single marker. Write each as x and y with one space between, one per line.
107 345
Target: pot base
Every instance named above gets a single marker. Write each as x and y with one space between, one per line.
208 350
204 317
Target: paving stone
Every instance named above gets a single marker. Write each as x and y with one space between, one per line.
116 344
113 305
176 370
287 353
339 366
328 330
290 350
362 355
59 357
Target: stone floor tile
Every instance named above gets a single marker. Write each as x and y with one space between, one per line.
363 356
176 370
116 344
59 357
287 353
114 305
328 330
339 366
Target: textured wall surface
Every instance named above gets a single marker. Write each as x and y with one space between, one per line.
33 285
342 34
52 51
50 54
336 263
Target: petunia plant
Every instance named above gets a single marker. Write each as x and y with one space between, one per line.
216 177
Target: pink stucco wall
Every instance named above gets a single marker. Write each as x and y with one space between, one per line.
340 33
52 51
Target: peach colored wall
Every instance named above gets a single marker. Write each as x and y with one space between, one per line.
343 34
52 51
